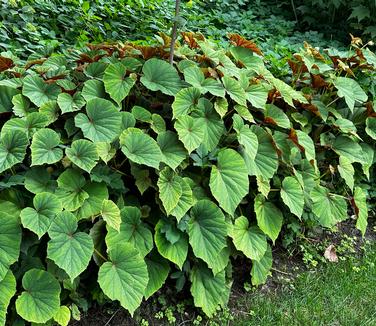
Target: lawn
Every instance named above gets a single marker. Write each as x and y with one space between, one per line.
341 293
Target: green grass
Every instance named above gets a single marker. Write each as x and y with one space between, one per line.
341 293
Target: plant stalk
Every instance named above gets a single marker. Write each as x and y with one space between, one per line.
174 31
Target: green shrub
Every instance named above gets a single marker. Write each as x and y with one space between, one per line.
339 17
119 170
40 27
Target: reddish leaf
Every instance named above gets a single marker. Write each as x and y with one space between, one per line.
191 38
318 81
313 52
5 63
34 62
238 40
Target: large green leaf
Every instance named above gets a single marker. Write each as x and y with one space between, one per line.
361 209
7 291
111 214
249 240
13 146
185 101
132 230
329 208
208 290
92 205
185 202
6 95
292 195
306 143
70 250
229 180
101 122
160 76
69 103
345 146
10 238
172 149
346 170
39 218
158 269
234 89
287 92
70 189
41 299
350 90
170 189
207 231
125 277
212 123
257 94
176 251
44 147
246 138
194 76
93 89
265 163
269 217
276 116
38 91
140 147
29 125
190 132
83 153
116 82
261 269
38 179
141 114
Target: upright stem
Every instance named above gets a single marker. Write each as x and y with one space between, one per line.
294 10
174 30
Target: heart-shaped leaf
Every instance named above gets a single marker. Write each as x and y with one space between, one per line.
39 218
250 240
190 132
269 217
41 299
207 231
83 153
158 75
124 277
38 91
116 83
140 147
13 146
44 148
229 180
132 230
70 250
102 122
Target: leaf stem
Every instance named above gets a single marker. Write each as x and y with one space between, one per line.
100 255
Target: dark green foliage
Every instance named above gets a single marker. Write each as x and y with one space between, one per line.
115 164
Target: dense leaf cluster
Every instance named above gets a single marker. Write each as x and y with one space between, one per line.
119 170
35 27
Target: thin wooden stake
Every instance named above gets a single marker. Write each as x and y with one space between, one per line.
174 31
